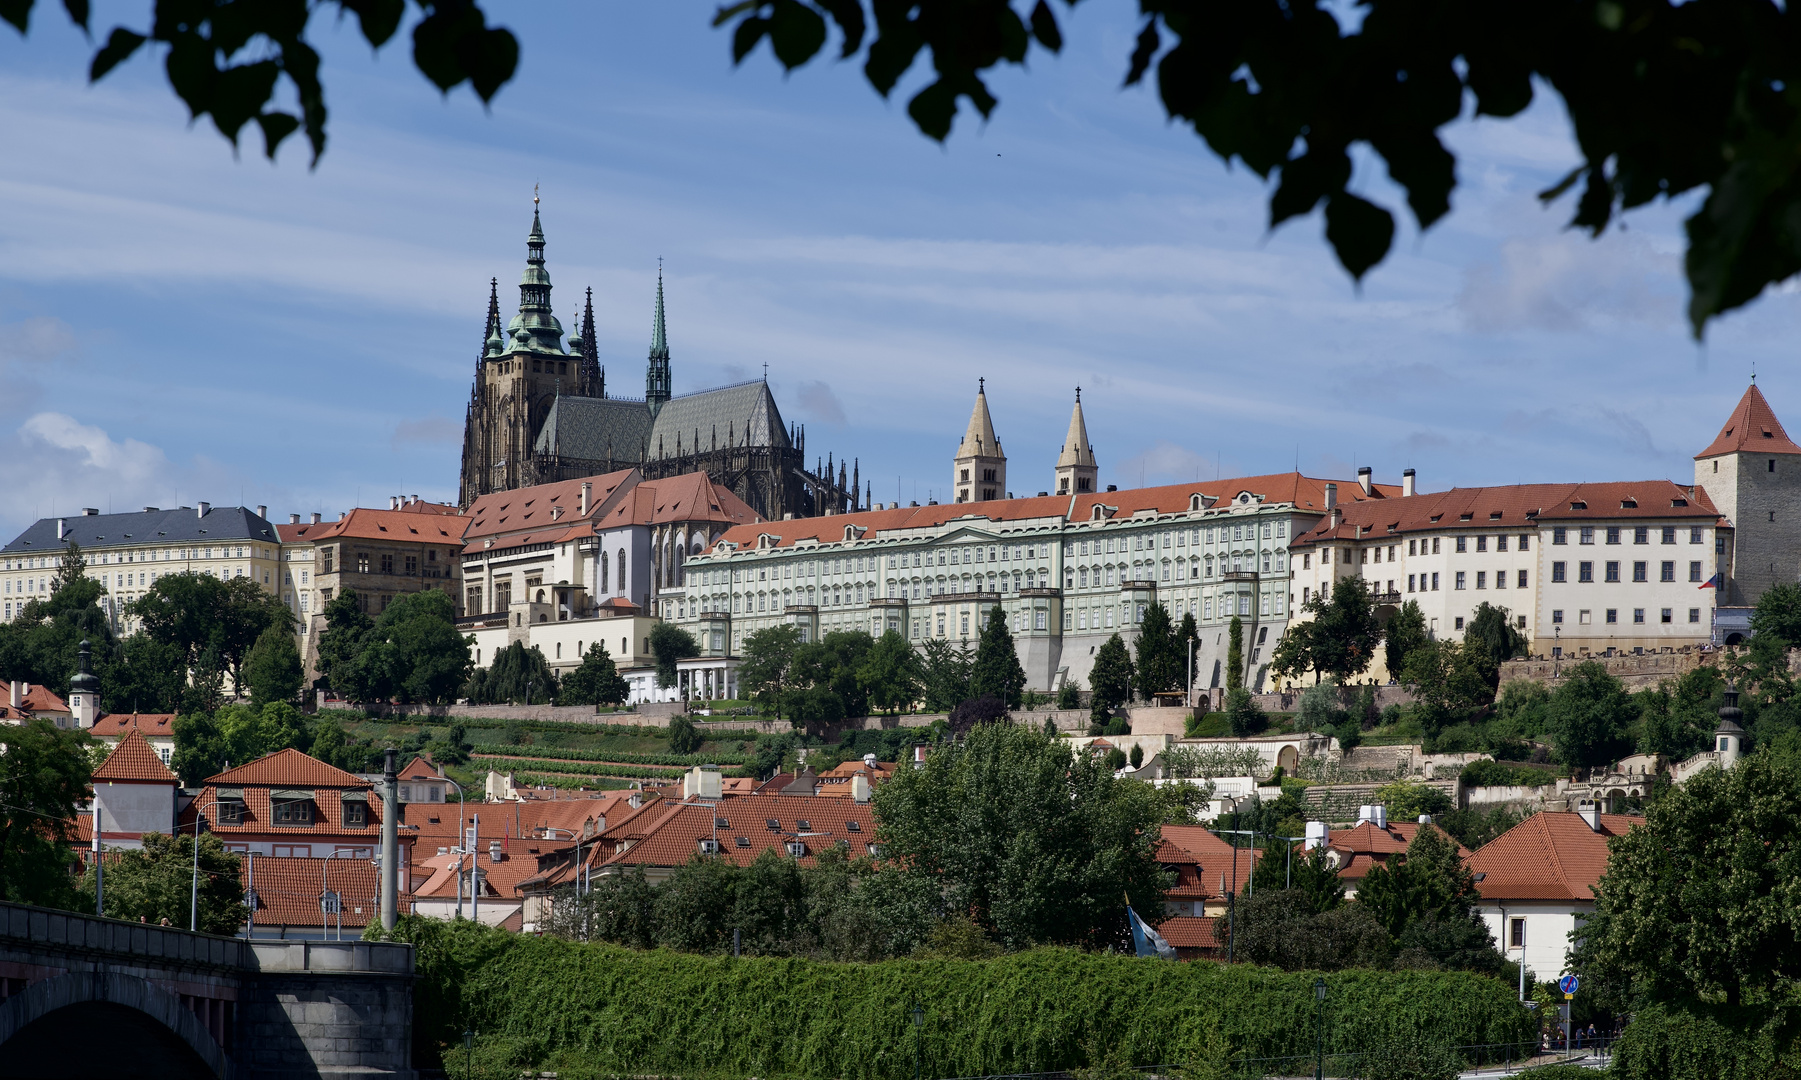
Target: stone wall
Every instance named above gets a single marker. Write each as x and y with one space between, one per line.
1637 671
327 1009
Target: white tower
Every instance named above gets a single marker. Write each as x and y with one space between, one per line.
1077 472
1729 738
980 470
84 692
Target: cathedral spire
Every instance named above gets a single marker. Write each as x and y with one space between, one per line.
594 377
1076 467
656 377
491 340
542 332
980 466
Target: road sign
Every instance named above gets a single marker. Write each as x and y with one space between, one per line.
1568 985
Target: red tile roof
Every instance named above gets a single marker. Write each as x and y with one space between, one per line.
133 761
436 877
673 838
1752 428
1305 492
1191 932
421 768
1549 856
1516 506
363 524
1365 846
115 725
288 768
1202 862
288 891
530 507
688 497
33 701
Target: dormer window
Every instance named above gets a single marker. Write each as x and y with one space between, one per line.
1678 502
1628 504
709 847
1579 505
796 848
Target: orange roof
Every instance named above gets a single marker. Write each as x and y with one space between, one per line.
1190 932
1515 506
133 761
1205 865
33 700
1549 856
287 891
674 837
1305 492
421 768
1752 428
288 766
530 507
688 497
500 879
115 725
364 524
1365 846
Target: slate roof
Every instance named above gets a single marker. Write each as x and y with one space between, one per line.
1752 428
1549 856
221 523
1517 506
133 761
599 429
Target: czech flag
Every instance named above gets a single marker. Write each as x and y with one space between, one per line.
1714 582
1147 941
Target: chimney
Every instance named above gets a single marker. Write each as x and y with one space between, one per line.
203 508
919 755
18 694
393 502
1425 819
1317 834
493 851
1331 496
62 530
262 512
859 788
412 498
869 762
88 511
315 518
1591 815
1407 488
293 519
587 490
1363 479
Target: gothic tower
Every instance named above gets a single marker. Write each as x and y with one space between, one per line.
1076 468
1752 472
656 375
980 468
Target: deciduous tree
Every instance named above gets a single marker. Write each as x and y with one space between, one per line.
1589 716
596 682
156 882
892 674
44 773
669 643
273 668
763 670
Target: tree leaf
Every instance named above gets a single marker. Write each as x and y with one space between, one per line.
78 12
191 71
1146 50
848 14
1044 27
240 93
796 32
276 127
377 18
17 12
1306 180
745 38
1359 231
120 44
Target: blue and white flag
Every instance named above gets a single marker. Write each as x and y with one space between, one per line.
1147 941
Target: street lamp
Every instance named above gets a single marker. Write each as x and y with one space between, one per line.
919 1020
469 1051
330 903
1319 1037
194 889
460 820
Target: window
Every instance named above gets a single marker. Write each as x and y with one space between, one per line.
1557 616
1516 933
1584 617
1641 535
1694 614
294 812
1525 542
356 814
1501 542
1638 615
328 554
231 812
1669 534
1585 571
1435 545
1588 534
1481 579
1612 571
1410 547
1460 622
1694 536
1462 541
387 562
1638 571
1409 588
1664 616
1481 543
1459 584
1613 534
1667 572
1613 616
1557 572
362 562
1772 465
1434 582
412 564
1559 535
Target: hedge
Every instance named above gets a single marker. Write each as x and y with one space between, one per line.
1701 1042
549 753
589 1009
586 768
1487 773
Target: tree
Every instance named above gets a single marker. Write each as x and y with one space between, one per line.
947 673
1110 678
996 671
1243 714
1448 678
518 675
201 615
1160 662
143 675
684 737
1697 903
1069 695
1235 654
156 882
763 669
1056 847
1293 655
891 674
668 644
1345 630
1778 613
1405 632
1426 900
829 667
44 774
596 682
1492 630
1319 708
977 710
1188 638
40 644
273 667
414 650
1282 927
1406 800
1589 717
341 646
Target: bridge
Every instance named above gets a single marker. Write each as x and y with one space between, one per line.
85 998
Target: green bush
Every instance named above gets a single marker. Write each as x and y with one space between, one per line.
581 1009
1416 1059
1504 774
1670 1042
586 768
1213 725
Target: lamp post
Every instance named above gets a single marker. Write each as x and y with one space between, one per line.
460 820
194 888
469 1051
1319 1035
919 1020
326 897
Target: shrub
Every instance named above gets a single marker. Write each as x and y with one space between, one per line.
1504 774
1666 1042
1413 1059
1212 725
684 737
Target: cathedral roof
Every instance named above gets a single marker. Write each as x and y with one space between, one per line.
596 429
1752 428
979 439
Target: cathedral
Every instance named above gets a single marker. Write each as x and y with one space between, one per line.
539 412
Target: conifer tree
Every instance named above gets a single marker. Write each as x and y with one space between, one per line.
1235 654
1111 678
996 669
1159 654
596 682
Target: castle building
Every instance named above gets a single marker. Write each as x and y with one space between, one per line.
1752 473
539 413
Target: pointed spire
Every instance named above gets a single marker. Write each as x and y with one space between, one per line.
1076 471
979 438
492 342
545 333
657 376
1752 427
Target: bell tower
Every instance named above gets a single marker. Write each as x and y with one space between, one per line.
980 467
1076 468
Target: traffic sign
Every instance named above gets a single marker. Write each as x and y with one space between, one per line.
1568 985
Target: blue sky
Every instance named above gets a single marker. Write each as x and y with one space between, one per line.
177 324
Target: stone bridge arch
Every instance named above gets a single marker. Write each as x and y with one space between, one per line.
101 1024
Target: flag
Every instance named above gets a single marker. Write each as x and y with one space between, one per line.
1147 941
1713 582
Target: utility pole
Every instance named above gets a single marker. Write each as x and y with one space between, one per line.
390 841
99 871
